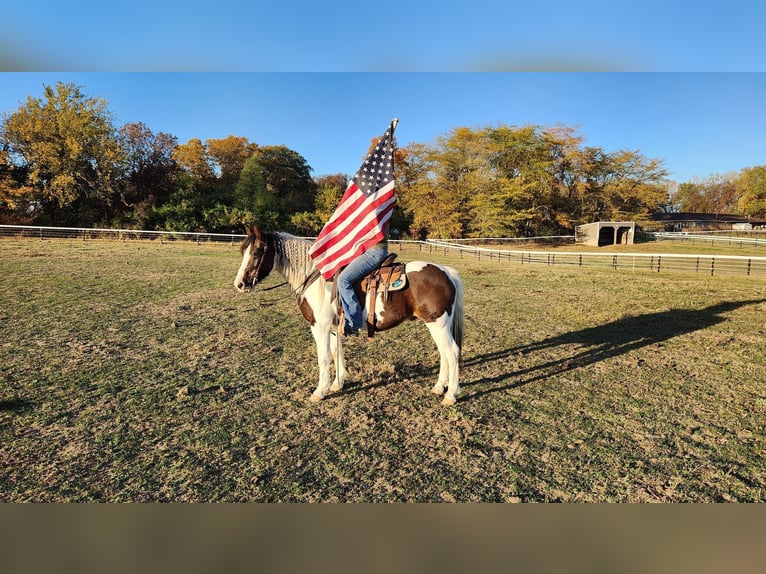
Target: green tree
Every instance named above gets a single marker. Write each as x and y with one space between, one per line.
330 190
259 203
68 147
288 177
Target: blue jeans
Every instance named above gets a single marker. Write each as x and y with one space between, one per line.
353 272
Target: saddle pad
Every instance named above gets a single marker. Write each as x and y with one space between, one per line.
389 278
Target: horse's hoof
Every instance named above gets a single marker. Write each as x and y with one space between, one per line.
448 402
335 387
315 398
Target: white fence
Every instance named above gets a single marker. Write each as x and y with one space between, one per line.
730 238
118 234
650 262
635 262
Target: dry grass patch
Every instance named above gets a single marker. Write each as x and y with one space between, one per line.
134 371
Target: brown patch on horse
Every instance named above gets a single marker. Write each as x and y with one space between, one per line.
425 297
307 311
432 280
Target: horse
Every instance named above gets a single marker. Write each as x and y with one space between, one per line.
433 294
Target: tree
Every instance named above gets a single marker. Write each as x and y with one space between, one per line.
524 197
713 194
149 174
435 209
288 177
330 190
194 159
67 146
258 204
14 195
634 187
523 181
229 155
751 187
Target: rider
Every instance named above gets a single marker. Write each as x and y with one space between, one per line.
353 272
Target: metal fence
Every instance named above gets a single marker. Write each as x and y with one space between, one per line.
708 264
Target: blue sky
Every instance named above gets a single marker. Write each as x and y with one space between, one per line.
397 35
699 123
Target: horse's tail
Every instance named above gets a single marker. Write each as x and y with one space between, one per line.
458 310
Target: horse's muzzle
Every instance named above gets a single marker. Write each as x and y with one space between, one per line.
245 286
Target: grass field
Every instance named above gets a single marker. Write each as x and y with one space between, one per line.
135 372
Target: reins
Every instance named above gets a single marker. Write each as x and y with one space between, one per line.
298 291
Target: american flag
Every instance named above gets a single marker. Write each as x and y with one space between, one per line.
358 222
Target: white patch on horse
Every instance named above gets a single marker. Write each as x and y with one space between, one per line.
239 280
380 307
415 266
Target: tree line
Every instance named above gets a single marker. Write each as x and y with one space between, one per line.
64 162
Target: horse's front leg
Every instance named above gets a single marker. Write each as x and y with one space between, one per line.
322 338
336 350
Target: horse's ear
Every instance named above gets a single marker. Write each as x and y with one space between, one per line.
248 230
257 233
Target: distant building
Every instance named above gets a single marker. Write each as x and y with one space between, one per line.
684 221
602 233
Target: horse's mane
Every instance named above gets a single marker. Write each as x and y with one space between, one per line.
291 258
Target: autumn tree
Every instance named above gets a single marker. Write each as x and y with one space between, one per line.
530 175
194 159
229 155
521 181
751 187
713 194
435 209
14 195
68 147
623 185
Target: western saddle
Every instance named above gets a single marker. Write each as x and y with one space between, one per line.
389 276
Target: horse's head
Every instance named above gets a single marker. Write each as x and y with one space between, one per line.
256 260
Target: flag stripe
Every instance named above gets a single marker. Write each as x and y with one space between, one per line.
353 201
357 208
367 228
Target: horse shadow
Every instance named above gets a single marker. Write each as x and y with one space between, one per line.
597 344
15 406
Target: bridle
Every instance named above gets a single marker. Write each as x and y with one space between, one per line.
260 261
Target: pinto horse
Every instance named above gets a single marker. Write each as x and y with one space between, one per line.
434 294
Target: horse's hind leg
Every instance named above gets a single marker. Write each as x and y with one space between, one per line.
448 360
443 380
